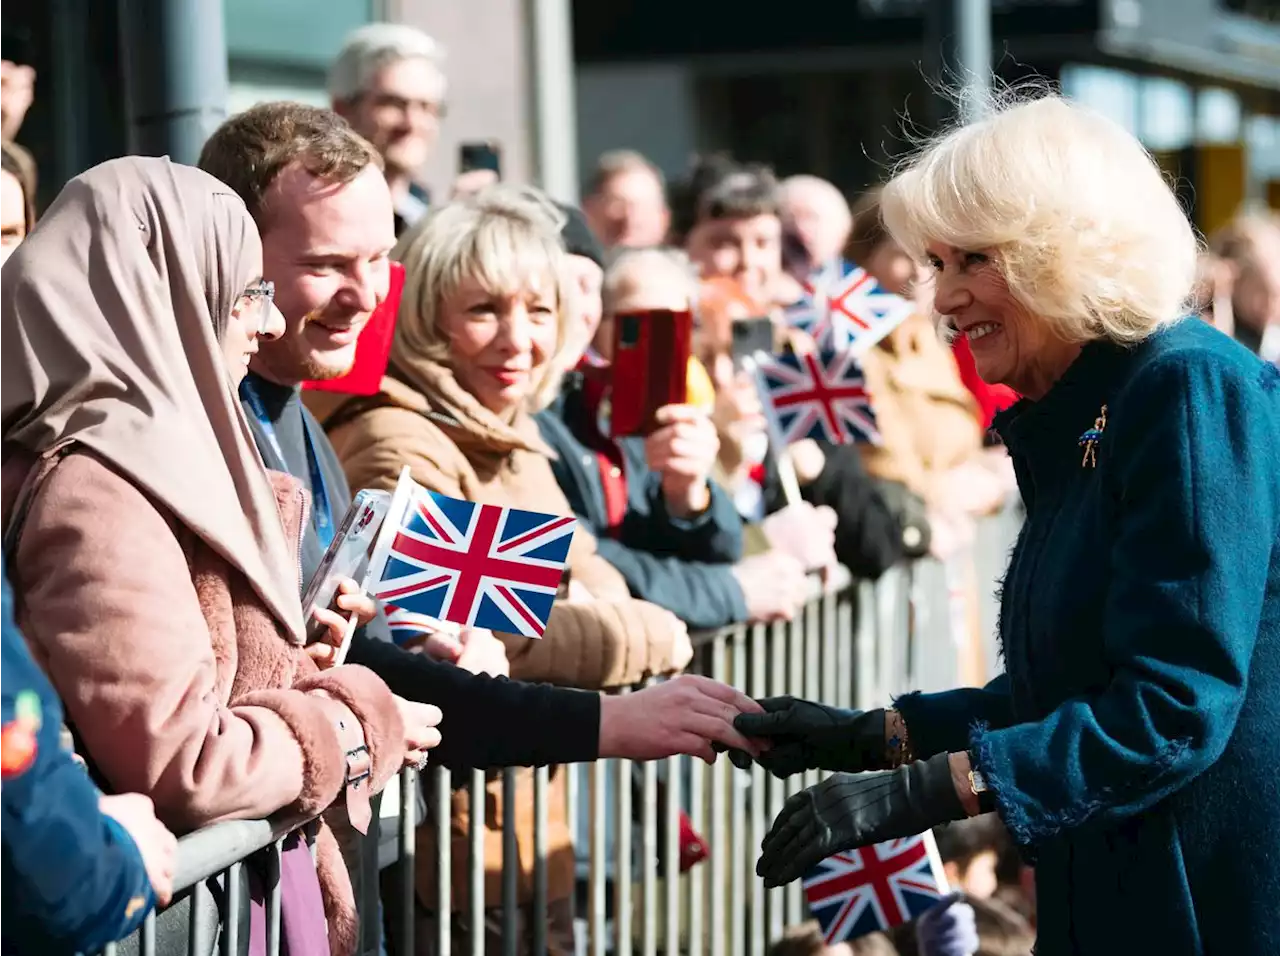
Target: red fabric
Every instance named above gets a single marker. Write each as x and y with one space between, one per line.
693 848
613 478
373 348
991 398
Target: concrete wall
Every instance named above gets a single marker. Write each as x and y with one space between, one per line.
487 67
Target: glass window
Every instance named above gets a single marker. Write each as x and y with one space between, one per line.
299 33
1168 114
1217 116
1113 93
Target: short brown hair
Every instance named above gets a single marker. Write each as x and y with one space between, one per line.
868 232
251 149
719 187
615 162
807 940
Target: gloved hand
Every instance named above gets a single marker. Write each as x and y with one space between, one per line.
806 735
849 811
949 929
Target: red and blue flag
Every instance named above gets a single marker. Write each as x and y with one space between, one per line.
821 395
477 565
875 888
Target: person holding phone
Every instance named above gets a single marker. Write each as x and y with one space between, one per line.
662 521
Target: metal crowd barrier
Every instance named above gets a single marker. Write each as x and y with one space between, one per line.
854 644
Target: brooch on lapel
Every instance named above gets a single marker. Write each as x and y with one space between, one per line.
1090 439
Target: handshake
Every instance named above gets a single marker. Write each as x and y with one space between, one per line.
852 808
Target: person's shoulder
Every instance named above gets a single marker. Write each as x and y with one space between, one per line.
1207 366
1191 379
1191 345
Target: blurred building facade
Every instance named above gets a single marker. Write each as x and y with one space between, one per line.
805 86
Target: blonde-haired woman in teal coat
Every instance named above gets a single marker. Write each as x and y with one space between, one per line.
1132 746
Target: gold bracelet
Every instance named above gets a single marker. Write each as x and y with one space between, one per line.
899 743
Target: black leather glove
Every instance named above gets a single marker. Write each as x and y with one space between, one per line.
849 811
810 736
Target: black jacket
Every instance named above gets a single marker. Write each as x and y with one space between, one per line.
488 721
683 566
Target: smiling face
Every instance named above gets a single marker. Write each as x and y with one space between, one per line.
747 249
326 247
1010 346
500 342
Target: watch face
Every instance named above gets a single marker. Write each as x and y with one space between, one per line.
977 782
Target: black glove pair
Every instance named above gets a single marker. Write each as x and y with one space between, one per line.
805 735
851 809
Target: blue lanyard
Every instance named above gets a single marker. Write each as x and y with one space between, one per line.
321 508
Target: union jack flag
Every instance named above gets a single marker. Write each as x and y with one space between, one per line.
407 626
477 565
843 308
878 887
820 395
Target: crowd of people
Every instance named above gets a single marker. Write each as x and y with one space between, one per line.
170 487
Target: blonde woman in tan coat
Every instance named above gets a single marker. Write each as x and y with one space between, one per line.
480 342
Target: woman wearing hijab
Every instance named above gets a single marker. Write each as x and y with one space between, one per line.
154 560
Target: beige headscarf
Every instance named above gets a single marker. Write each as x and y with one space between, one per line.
112 313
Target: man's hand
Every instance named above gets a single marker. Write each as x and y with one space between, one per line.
774 585
806 533
420 730
683 451
686 715
352 602
159 848
482 653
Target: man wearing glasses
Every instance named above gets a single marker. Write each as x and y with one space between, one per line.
388 83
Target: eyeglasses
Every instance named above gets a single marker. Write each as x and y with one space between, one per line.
256 301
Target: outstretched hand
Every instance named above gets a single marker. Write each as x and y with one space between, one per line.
687 714
806 735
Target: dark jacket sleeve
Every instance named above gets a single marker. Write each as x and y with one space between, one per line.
940 723
704 596
868 536
73 877
714 536
488 721
1194 449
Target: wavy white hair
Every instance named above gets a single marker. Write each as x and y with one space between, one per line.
1081 221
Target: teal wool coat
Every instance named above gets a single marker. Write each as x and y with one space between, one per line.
1133 742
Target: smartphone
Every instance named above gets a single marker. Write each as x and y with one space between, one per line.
750 337
650 367
479 156
347 555
373 347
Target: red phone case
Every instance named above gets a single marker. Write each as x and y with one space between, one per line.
373 347
650 367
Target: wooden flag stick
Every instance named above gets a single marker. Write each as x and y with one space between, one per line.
777 441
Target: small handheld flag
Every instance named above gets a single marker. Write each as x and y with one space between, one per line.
820 395
844 309
875 888
476 565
